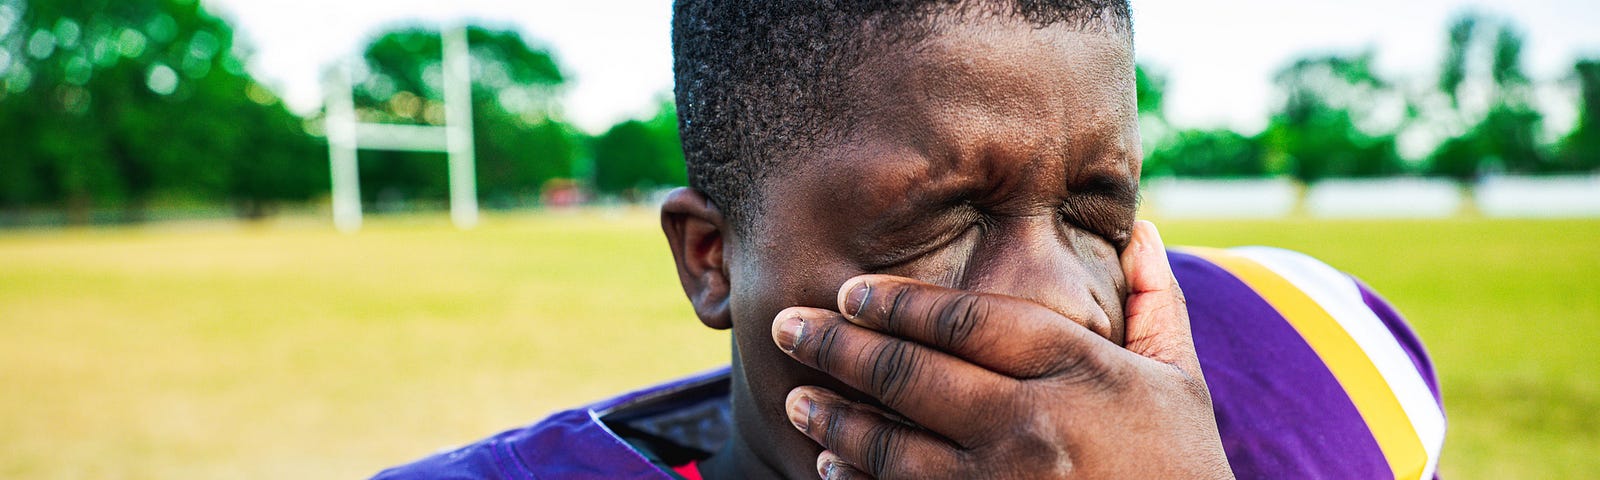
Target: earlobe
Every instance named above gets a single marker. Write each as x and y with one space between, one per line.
696 232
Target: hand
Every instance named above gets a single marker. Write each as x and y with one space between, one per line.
990 386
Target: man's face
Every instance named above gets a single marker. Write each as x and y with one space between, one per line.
993 157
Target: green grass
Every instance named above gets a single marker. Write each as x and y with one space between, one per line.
289 351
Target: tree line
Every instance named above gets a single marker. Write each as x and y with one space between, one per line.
116 104
1337 117
123 105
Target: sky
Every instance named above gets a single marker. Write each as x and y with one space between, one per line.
1219 56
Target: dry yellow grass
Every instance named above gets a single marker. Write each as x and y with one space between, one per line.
290 351
295 352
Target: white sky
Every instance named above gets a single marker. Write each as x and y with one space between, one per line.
1220 56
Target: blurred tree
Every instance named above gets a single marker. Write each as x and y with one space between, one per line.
1511 129
1505 137
1189 153
520 139
1154 131
636 156
1322 128
1152 91
1460 157
1211 153
125 101
1581 149
1454 71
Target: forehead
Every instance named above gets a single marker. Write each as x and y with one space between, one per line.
980 99
1001 81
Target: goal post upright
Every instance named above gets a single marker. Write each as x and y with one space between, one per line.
346 135
341 124
458 127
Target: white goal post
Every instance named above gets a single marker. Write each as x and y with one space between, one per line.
346 135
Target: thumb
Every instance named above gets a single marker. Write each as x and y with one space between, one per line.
1157 315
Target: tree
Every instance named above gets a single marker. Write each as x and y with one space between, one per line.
521 141
1512 126
1505 136
125 101
1154 132
1325 125
1211 153
1189 153
1454 70
634 156
1581 149
1151 88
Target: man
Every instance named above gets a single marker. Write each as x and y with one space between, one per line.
917 217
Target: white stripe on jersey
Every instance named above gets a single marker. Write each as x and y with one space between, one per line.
1339 295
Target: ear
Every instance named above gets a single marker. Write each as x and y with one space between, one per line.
696 232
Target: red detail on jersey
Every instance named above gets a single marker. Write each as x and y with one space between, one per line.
690 471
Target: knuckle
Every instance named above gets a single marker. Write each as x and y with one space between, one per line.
893 367
957 318
824 346
883 443
829 425
902 298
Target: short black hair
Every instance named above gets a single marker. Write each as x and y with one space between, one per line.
758 81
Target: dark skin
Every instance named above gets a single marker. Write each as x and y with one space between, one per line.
1003 315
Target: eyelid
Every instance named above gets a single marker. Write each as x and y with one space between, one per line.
967 217
1105 217
1104 203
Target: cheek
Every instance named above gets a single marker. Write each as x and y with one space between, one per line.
1099 258
759 290
1106 284
763 285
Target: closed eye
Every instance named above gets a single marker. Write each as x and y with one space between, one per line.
916 241
1103 206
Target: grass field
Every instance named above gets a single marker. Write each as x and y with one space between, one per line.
289 351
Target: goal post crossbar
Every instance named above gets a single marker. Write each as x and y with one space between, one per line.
347 135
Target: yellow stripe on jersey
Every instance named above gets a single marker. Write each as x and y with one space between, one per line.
1349 363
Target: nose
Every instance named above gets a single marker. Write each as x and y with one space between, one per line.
1070 271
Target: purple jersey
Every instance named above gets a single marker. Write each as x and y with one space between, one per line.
1311 375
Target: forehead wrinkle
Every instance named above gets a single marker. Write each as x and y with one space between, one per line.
982 87
975 90
1100 132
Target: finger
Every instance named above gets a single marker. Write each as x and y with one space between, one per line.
928 387
866 439
1156 312
831 467
1008 335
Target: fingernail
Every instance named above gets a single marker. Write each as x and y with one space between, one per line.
789 330
827 463
856 298
800 412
